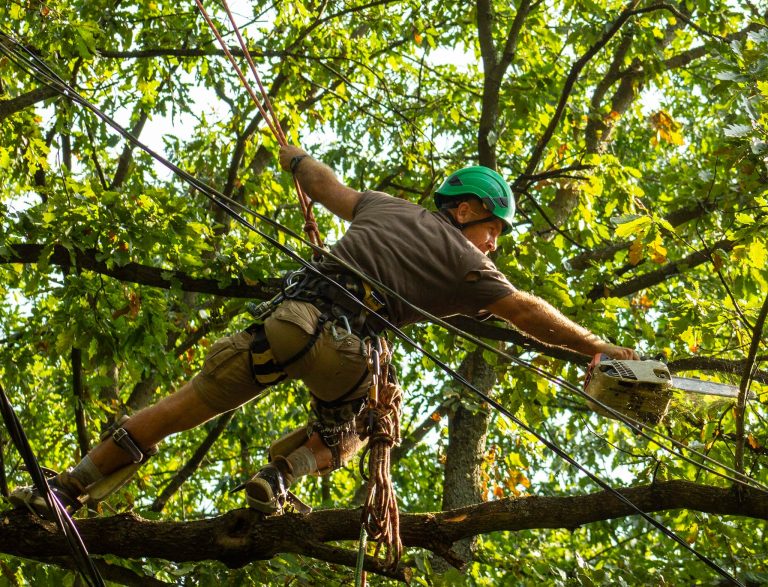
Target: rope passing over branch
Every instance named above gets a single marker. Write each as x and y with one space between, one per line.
380 517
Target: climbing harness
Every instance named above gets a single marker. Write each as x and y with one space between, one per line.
380 517
345 315
24 58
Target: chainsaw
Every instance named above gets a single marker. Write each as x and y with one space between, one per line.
642 389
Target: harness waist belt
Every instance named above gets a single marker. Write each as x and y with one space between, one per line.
336 303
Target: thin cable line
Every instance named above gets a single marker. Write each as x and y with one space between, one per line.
61 517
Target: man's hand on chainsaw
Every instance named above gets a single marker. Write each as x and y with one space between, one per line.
618 352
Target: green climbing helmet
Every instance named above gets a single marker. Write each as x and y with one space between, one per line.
484 183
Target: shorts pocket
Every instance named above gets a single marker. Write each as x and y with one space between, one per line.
302 314
224 350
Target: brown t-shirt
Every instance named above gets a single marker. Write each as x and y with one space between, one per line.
421 256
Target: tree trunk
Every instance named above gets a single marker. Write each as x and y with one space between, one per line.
467 430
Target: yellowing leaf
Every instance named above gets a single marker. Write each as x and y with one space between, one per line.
690 337
636 251
693 533
657 250
752 441
718 260
758 255
666 128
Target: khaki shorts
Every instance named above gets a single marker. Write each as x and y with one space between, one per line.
330 369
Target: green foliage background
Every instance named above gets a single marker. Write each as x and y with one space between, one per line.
660 153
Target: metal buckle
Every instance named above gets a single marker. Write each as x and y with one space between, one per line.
124 441
336 336
292 281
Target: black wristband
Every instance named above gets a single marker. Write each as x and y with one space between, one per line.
295 162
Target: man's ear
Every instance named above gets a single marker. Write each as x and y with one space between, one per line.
463 211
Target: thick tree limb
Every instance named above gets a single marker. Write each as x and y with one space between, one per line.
495 64
155 277
493 331
466 450
133 272
714 364
14 105
240 536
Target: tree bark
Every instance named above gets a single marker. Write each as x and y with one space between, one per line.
467 432
133 272
242 536
14 105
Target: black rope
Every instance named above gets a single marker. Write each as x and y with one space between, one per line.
59 513
51 79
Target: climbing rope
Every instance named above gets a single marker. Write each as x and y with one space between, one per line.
267 113
380 518
33 65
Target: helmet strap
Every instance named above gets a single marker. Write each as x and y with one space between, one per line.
462 225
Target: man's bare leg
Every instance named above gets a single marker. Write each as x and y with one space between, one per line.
94 474
179 411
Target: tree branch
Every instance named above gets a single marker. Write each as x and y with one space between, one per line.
192 464
741 402
570 81
583 260
77 389
495 65
14 105
241 536
134 272
655 277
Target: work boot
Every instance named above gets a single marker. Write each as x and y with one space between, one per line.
66 488
267 490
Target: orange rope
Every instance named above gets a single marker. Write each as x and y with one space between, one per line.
380 516
267 112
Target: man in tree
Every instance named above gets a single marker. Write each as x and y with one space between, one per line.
437 261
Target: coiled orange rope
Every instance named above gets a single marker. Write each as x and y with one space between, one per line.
380 517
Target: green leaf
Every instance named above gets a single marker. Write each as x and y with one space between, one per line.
635 226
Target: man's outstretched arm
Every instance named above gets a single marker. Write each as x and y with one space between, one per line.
543 322
320 182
